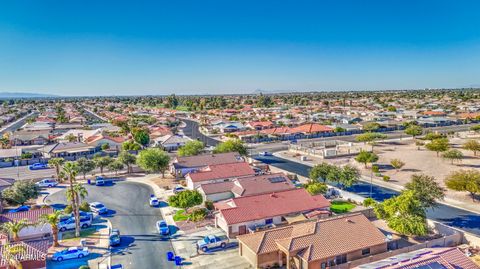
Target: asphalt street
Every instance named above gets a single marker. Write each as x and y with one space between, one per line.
448 215
191 130
22 172
17 124
130 212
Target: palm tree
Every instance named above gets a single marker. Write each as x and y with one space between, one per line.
75 195
70 169
52 219
11 254
14 227
56 162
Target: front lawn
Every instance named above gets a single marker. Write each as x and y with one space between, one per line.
341 207
83 233
180 215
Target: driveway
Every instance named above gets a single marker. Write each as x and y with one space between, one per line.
141 246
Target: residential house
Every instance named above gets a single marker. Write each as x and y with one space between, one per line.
260 125
218 173
22 138
34 255
97 141
36 231
80 134
229 127
184 165
67 150
324 243
246 186
170 142
239 215
426 258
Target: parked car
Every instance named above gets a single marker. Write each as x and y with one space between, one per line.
70 253
98 208
178 188
20 209
47 183
38 166
212 241
82 214
154 201
69 224
162 227
99 181
114 239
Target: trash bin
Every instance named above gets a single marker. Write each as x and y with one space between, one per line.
178 260
89 181
170 256
83 242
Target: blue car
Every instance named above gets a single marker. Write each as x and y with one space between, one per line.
38 166
162 228
20 209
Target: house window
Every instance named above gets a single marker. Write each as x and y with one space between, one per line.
324 265
341 259
365 251
268 221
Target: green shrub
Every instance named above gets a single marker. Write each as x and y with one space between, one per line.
84 267
386 178
198 214
375 168
369 202
209 205
85 207
26 155
68 209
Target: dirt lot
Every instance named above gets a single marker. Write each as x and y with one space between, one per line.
418 161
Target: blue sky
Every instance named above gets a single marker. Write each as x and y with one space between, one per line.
186 47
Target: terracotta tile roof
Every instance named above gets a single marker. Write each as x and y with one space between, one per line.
311 128
222 171
207 159
251 185
261 123
32 215
244 209
277 130
434 113
450 258
472 115
317 240
254 185
34 251
218 187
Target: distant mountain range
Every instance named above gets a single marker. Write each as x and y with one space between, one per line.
25 95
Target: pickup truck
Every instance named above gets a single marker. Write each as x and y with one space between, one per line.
212 241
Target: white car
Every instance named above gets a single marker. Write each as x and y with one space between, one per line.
98 208
154 201
70 253
69 224
47 183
